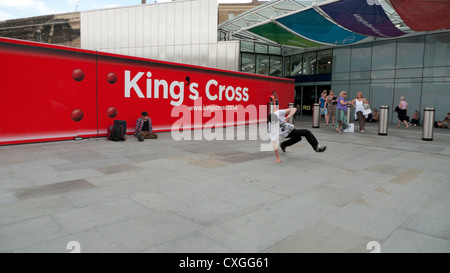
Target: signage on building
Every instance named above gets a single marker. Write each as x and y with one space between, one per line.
54 93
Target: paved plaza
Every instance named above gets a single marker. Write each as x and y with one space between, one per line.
227 195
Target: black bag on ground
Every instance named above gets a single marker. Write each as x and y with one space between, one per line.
118 131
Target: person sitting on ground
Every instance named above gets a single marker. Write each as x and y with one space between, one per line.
375 115
144 128
415 119
443 123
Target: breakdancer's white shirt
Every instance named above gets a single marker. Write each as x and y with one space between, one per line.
284 128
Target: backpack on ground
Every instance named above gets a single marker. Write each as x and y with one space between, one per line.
117 132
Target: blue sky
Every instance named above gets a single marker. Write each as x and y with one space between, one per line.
13 9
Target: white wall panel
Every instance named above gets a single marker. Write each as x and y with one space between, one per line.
195 23
204 52
124 27
147 25
212 57
154 34
154 53
104 29
147 52
162 53
139 51
170 21
213 14
186 54
84 38
203 20
111 28
221 55
178 22
179 31
132 27
232 55
187 23
195 54
97 30
162 38
118 37
139 26
178 54
91 30
170 53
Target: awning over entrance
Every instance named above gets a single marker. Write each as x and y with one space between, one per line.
424 15
362 17
311 24
306 24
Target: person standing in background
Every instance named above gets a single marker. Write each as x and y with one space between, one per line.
323 105
402 112
341 112
274 99
331 108
358 104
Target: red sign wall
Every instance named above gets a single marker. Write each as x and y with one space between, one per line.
55 93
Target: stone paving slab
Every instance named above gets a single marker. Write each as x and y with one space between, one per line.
227 195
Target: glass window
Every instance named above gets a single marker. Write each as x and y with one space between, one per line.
381 95
361 57
341 59
230 15
247 46
262 64
260 48
248 63
435 95
436 72
309 63
296 65
360 75
287 66
415 73
275 50
410 52
324 58
276 66
382 74
345 76
437 50
383 56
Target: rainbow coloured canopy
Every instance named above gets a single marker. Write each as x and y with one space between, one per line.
306 23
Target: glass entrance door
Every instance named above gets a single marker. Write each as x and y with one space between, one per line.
308 99
306 96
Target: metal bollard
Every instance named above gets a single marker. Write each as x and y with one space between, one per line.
383 121
349 111
316 116
291 119
428 124
270 113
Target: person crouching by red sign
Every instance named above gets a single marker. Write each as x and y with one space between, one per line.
144 128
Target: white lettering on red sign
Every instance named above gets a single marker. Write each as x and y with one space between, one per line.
213 90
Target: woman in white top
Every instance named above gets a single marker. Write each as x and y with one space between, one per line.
358 104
